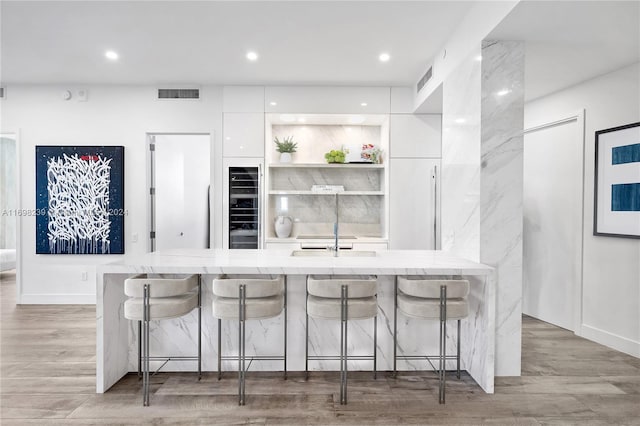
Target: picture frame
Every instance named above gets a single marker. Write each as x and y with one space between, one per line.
79 199
617 182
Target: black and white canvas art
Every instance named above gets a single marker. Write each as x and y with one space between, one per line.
80 199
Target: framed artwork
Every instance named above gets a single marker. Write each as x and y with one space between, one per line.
80 200
617 182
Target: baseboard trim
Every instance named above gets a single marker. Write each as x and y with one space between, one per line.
57 299
611 340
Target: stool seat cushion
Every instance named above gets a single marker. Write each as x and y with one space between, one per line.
159 287
330 308
430 288
256 285
419 307
161 307
331 286
256 308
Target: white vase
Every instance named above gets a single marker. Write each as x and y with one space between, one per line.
285 157
283 226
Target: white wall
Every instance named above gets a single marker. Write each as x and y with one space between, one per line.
113 115
611 266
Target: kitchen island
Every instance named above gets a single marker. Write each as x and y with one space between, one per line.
116 340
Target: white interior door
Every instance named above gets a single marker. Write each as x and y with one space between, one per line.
552 239
181 180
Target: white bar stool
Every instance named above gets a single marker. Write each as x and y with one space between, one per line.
156 299
342 298
246 297
424 298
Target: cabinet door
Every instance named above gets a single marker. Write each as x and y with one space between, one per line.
415 135
413 204
243 135
326 99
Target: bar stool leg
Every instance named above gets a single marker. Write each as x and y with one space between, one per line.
241 352
139 350
458 356
306 337
343 344
285 327
395 326
199 327
145 348
443 343
375 347
219 349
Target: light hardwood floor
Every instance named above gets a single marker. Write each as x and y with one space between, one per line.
47 372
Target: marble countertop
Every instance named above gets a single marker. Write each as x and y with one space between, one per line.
217 261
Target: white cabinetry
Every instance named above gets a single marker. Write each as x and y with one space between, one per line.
415 141
415 135
327 100
413 203
243 135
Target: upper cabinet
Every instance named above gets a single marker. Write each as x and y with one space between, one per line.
243 134
415 135
327 100
243 99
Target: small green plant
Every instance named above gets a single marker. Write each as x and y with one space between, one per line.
287 144
335 156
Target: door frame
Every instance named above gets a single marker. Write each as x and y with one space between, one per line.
15 135
150 183
579 118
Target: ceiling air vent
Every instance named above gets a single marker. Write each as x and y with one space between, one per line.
178 93
425 78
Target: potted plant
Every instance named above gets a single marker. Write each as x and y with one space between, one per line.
285 147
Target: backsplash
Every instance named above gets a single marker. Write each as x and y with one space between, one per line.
315 140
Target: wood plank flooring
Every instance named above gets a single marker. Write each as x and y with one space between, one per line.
47 376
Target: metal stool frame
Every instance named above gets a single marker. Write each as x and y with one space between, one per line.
241 357
143 344
442 356
344 357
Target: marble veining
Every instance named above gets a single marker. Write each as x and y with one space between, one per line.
483 110
117 337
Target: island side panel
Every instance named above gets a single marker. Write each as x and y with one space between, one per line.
111 331
478 332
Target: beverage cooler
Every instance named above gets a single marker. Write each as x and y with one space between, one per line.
244 207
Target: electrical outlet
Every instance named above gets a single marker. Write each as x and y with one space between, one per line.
85 275
134 237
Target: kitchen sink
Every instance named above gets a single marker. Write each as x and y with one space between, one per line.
329 253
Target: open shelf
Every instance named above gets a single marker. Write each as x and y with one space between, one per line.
302 192
327 165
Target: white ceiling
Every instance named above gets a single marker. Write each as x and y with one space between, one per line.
200 42
568 42
299 42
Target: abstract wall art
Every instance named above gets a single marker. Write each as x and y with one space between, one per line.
80 200
617 182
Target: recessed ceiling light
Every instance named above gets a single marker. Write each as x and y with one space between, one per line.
503 92
252 56
302 120
363 104
384 57
478 58
110 54
460 120
273 103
